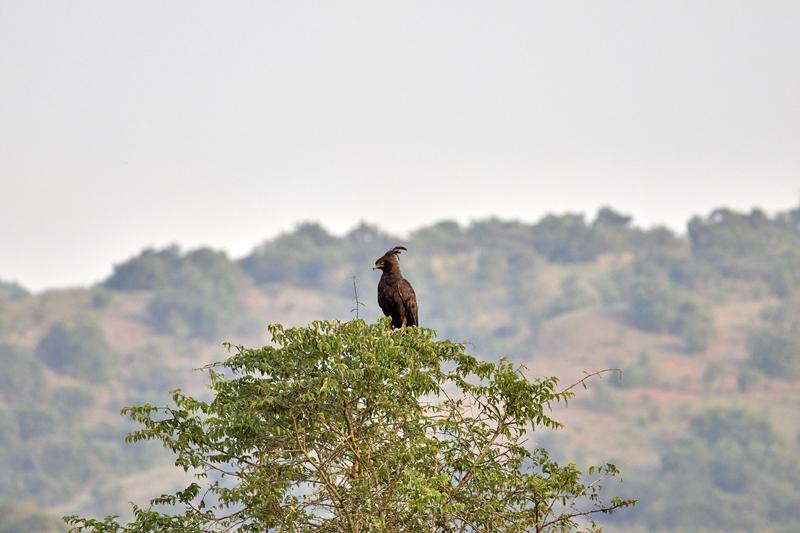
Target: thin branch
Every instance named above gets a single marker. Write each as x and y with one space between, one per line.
323 475
564 518
359 303
486 448
587 376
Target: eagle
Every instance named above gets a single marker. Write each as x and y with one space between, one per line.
395 294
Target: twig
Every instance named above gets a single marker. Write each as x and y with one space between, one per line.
355 297
587 376
607 509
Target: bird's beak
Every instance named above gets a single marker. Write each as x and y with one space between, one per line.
377 266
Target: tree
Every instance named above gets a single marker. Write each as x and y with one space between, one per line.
77 348
304 257
567 239
151 269
657 304
351 427
10 291
21 379
197 293
733 472
750 246
775 352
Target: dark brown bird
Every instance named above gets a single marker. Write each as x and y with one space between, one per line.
395 294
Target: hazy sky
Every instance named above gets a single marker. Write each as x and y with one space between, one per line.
127 124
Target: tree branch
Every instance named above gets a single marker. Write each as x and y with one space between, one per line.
587 376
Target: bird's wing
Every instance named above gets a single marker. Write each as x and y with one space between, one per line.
409 301
384 302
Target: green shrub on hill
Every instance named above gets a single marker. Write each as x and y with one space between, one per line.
574 295
10 291
694 324
567 239
9 431
362 241
35 422
657 304
640 373
204 296
151 269
21 378
733 473
27 517
445 237
305 256
71 402
653 305
77 348
785 316
192 312
147 371
751 246
775 352
197 293
614 229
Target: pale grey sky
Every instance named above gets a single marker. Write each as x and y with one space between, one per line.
127 124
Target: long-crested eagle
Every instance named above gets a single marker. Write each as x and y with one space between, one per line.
395 294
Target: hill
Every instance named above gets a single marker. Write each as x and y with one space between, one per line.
704 327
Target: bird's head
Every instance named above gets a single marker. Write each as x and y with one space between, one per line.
388 261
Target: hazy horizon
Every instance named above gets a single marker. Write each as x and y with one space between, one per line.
339 232
125 125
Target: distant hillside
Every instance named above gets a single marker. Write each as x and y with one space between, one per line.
705 326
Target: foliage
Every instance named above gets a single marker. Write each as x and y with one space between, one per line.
46 455
35 422
573 296
196 313
71 402
775 352
351 427
748 377
638 374
147 371
445 237
21 378
614 229
567 239
10 291
673 261
197 293
45 452
484 283
608 218
151 269
203 296
100 298
785 316
655 304
77 348
751 246
733 474
694 324
24 517
304 256
311 258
